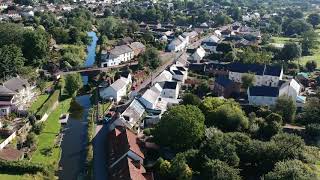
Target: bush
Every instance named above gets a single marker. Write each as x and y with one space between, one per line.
37 128
22 167
48 104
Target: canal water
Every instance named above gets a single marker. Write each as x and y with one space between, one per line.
72 162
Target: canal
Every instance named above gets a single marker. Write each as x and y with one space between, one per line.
72 162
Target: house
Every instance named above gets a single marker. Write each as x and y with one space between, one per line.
138 48
15 94
210 44
131 116
198 55
170 90
116 56
163 76
116 90
267 95
225 87
151 97
193 35
178 44
265 75
179 73
125 156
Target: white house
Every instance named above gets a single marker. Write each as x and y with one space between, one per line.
151 97
170 90
268 95
179 73
15 94
116 90
163 76
265 75
116 56
178 44
210 44
198 55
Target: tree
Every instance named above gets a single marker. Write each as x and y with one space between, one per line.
179 169
313 130
181 127
291 51
31 140
35 47
248 80
291 169
311 111
73 83
150 58
309 41
209 104
296 27
219 170
191 99
286 146
11 60
286 107
271 126
228 117
311 65
222 19
314 19
41 84
235 13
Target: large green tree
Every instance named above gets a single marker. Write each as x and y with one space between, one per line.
314 19
291 51
291 169
219 170
286 107
11 60
181 127
73 83
309 41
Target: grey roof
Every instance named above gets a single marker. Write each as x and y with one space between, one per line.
118 50
134 111
151 96
137 45
5 91
16 84
266 91
118 84
170 85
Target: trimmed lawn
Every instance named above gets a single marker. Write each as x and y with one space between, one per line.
48 136
282 40
35 106
20 177
103 107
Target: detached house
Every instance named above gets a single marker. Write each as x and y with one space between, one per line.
210 44
170 90
116 90
116 56
198 55
15 94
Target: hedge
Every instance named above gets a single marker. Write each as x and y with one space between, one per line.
90 134
22 167
48 104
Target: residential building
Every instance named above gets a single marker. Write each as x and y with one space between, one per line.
170 90
15 94
131 116
198 55
116 90
210 44
125 156
138 48
178 44
163 76
265 75
179 73
116 56
225 87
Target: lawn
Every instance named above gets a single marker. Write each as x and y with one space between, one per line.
315 54
48 136
35 106
282 40
103 107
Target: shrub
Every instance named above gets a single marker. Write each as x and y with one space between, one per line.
48 104
37 128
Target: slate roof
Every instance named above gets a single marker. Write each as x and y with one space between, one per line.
177 72
246 68
118 50
134 111
16 84
223 81
272 70
170 85
151 96
6 91
266 91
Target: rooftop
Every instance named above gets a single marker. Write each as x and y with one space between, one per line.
266 91
170 85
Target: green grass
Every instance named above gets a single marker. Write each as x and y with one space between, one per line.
315 54
283 40
48 136
35 106
103 107
20 177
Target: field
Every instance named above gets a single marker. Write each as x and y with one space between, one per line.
48 136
